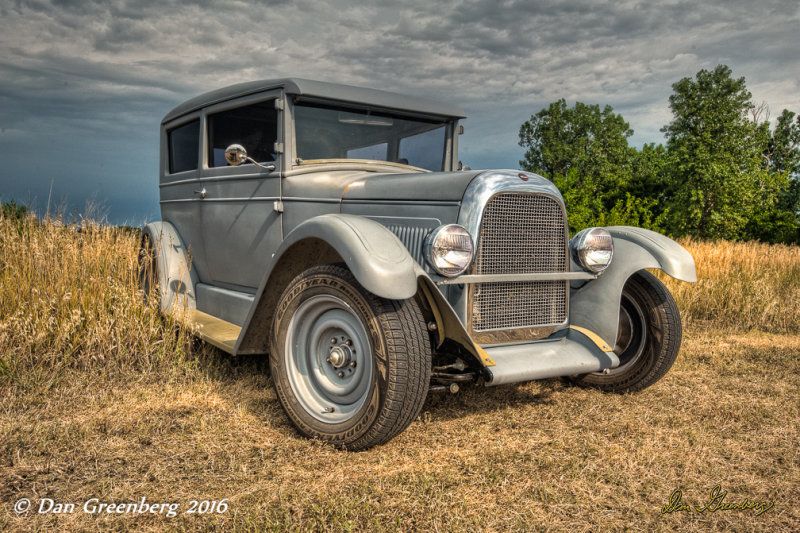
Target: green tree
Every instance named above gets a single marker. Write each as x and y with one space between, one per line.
591 142
783 149
584 151
648 183
782 156
716 161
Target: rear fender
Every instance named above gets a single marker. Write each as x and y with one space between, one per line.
176 280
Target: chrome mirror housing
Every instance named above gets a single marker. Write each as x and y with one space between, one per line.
235 155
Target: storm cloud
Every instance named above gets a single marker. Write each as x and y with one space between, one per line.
85 84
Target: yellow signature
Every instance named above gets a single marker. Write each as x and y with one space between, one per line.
716 503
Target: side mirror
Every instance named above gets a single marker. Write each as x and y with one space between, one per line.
235 155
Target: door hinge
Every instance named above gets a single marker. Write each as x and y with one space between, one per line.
278 206
278 148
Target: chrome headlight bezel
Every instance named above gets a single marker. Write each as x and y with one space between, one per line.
592 249
452 239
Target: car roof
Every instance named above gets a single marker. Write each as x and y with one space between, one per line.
322 90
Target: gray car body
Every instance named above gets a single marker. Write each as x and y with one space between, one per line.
231 239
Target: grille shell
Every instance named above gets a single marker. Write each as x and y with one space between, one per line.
520 233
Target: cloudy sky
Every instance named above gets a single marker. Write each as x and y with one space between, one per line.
84 84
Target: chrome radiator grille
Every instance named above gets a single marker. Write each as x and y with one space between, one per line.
520 233
522 304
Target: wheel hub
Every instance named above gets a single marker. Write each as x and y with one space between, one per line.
340 356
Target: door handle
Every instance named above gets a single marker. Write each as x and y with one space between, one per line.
201 192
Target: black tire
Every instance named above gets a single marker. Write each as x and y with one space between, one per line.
649 337
383 344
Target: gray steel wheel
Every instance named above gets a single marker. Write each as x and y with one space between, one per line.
349 368
631 335
328 359
648 340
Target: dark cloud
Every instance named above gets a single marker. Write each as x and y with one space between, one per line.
80 75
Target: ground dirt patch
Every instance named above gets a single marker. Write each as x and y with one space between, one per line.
537 456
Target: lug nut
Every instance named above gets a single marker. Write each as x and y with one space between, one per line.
348 342
333 340
341 374
352 364
328 360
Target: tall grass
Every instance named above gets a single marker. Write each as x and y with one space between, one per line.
70 298
741 285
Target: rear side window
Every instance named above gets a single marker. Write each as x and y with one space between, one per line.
184 141
255 127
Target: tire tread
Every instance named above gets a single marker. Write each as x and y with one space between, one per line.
642 376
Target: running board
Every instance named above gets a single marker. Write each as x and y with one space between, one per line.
213 330
574 354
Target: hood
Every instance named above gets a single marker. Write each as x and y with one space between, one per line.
434 186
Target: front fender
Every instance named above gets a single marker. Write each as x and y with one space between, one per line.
376 257
595 305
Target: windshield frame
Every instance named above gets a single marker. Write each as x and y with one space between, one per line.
448 123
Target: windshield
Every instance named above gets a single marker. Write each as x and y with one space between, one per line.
329 132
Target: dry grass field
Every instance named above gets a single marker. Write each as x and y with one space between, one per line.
100 397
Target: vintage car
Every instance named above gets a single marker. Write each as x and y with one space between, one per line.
334 229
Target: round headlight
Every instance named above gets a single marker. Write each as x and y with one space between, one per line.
449 249
593 249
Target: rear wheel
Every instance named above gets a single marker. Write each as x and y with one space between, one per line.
648 339
349 367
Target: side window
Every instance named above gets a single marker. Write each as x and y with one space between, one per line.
184 141
255 127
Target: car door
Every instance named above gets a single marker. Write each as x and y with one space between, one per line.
240 225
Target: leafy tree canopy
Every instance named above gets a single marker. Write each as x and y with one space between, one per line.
716 162
723 172
585 139
584 151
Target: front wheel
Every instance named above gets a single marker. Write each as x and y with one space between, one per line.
648 338
349 368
